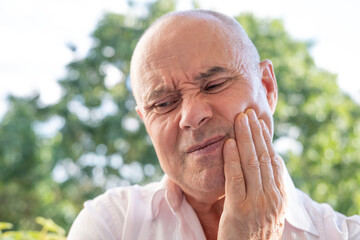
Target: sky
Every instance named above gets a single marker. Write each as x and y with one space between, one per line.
34 35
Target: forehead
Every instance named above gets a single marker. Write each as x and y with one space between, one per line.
184 38
180 49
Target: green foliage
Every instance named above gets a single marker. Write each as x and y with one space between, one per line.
49 231
101 143
314 112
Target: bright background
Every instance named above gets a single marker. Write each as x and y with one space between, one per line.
53 159
35 34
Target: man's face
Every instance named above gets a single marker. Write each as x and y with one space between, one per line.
192 84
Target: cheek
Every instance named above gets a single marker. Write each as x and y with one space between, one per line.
231 105
164 137
236 99
163 133
262 108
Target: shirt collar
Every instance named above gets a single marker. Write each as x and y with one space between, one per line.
167 190
296 214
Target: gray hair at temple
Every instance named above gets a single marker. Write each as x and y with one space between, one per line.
230 24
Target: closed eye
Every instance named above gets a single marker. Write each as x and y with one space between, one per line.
215 85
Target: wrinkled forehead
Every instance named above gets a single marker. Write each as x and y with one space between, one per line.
183 46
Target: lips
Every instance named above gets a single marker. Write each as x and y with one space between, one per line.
211 141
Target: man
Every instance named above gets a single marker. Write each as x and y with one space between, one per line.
207 102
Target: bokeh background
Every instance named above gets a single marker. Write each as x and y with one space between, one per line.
68 130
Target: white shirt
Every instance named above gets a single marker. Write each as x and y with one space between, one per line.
160 211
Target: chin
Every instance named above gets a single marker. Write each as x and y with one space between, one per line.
213 180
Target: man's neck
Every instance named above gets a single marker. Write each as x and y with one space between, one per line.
208 214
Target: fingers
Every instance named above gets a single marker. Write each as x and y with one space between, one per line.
252 166
263 155
276 166
255 200
234 178
248 156
273 156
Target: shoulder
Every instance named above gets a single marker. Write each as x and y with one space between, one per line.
331 222
117 199
103 217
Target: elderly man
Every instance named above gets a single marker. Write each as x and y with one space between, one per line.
207 103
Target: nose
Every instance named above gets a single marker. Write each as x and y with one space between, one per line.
195 112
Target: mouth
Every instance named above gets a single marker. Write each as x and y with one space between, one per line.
207 146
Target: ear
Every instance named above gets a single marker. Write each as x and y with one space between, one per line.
269 84
138 110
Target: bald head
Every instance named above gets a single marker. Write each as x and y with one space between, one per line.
176 25
192 73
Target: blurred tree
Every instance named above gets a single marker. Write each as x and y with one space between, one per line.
49 231
19 165
319 124
101 143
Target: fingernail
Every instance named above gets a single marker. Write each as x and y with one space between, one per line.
232 143
251 114
243 119
263 125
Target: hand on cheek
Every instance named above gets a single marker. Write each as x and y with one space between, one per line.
255 199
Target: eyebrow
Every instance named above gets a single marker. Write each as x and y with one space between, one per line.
158 92
213 71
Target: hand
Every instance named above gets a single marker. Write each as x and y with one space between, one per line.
255 198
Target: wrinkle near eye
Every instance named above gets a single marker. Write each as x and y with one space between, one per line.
192 87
